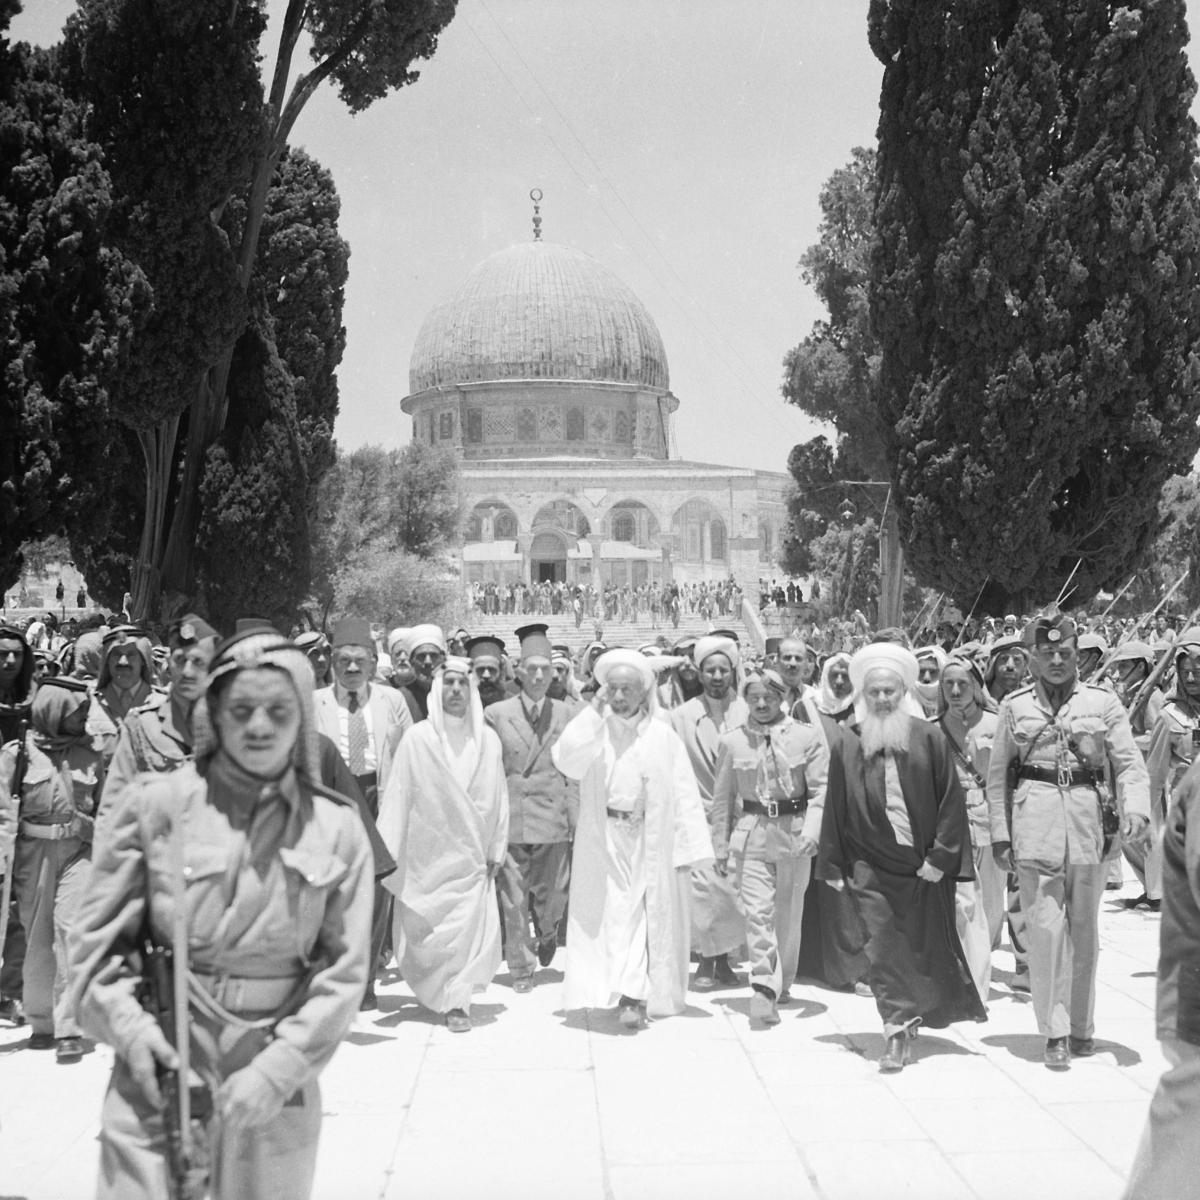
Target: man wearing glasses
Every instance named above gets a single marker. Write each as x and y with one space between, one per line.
1054 821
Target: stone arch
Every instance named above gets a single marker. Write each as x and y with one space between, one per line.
562 514
491 521
632 521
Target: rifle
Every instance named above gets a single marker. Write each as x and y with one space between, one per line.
18 782
187 1110
1160 668
1157 608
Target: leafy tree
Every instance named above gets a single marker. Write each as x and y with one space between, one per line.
1034 287
395 588
831 374
69 306
180 104
384 507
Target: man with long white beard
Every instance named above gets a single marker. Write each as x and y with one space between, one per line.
895 832
641 828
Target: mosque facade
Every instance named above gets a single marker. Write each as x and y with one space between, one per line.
548 379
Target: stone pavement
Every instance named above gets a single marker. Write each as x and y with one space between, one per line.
531 1104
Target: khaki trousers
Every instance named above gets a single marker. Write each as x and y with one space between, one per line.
1062 913
48 881
773 897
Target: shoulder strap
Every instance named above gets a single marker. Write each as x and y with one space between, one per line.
961 756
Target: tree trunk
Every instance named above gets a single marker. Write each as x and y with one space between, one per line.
158 451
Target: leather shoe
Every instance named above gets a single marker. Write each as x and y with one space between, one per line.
785 997
41 1041
725 974
895 1054
1082 1047
523 984
704 980
68 1050
12 1010
546 949
457 1021
631 1013
1020 981
1056 1055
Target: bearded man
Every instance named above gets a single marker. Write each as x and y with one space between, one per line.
1007 666
717 924
895 831
641 829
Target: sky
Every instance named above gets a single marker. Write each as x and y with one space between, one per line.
682 143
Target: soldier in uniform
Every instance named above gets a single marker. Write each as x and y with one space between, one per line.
1058 739
543 808
62 778
123 684
770 788
157 735
274 872
1173 739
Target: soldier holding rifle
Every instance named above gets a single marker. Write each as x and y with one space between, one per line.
259 880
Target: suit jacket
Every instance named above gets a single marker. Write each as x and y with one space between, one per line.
543 804
390 719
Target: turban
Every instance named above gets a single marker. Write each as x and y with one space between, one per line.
311 642
712 644
424 635
398 637
610 660
887 656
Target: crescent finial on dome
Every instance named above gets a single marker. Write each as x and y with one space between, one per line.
536 196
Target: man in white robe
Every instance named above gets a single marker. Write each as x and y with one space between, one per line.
641 829
444 817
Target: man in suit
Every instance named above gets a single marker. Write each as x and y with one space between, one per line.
366 724
543 808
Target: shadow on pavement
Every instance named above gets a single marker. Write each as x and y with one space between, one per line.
870 1046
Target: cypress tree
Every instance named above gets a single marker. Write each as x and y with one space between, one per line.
1034 286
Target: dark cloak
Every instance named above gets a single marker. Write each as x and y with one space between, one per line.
917 965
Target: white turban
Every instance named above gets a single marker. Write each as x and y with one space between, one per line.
887 656
712 644
611 659
424 635
399 635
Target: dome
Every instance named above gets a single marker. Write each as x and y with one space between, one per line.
539 311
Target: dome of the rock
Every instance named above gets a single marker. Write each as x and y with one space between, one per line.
539 311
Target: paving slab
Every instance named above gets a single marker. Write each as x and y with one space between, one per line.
535 1103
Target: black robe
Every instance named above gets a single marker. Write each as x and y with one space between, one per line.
917 966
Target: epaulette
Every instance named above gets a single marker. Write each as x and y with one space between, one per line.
153 703
319 789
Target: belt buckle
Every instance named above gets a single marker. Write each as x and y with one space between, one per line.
772 808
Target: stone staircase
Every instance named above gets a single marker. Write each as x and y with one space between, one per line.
616 633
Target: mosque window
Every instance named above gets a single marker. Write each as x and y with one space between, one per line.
623 527
527 425
576 430
446 426
506 526
474 426
621 427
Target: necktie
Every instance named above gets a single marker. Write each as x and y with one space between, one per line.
357 737
534 713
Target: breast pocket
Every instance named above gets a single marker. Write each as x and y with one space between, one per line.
204 869
311 877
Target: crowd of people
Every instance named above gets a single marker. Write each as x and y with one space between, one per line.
621 604
290 814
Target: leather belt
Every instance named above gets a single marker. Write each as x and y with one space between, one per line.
241 992
51 833
628 816
776 808
1074 777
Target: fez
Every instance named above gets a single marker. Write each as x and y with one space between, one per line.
485 647
352 631
534 642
